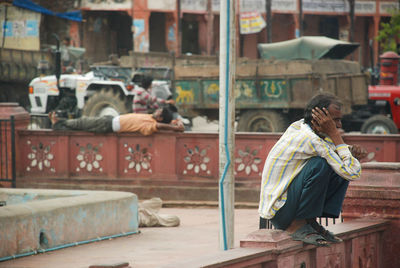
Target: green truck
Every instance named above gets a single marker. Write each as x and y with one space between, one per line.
17 68
271 91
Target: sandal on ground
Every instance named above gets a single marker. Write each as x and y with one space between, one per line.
329 236
309 235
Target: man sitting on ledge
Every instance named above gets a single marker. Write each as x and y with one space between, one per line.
307 172
146 124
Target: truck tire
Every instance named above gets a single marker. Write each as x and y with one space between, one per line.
262 121
106 102
379 124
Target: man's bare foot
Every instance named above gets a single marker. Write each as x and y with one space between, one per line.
53 117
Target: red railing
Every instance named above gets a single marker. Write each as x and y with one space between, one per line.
183 157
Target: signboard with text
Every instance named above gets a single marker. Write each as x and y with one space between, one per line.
251 22
106 4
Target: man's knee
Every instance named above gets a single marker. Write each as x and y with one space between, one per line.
317 168
317 160
319 164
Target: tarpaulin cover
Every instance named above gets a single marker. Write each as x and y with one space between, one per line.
27 4
308 48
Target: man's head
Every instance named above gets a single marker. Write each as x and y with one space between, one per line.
163 115
66 40
323 100
146 81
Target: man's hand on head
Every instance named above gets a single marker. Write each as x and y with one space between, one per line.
322 122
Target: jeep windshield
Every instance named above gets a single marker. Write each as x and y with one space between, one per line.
158 73
114 73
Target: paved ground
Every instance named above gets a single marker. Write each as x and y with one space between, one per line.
196 236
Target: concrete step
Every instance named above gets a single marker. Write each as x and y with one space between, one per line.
168 193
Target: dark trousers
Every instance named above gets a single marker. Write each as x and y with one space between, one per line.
91 124
317 191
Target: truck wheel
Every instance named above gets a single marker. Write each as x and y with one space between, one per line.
262 121
379 124
106 102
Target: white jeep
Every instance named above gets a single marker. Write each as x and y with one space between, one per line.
105 90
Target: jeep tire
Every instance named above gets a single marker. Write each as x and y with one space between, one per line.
106 102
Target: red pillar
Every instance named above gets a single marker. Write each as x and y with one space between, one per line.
21 120
210 28
376 195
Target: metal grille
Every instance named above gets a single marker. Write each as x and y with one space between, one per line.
7 151
266 224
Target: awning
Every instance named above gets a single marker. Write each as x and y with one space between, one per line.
27 4
307 47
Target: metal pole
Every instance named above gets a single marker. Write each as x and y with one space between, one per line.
351 2
133 29
269 20
58 60
179 50
301 18
226 122
13 164
210 28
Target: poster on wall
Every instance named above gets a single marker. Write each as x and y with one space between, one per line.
106 4
20 29
251 22
141 41
260 5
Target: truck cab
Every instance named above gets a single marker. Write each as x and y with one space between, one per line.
384 98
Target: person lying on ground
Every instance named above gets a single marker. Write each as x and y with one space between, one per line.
145 124
307 172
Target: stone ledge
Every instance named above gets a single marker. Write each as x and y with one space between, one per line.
269 239
275 248
168 192
229 258
348 229
381 165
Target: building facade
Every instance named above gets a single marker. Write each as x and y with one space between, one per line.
192 26
188 26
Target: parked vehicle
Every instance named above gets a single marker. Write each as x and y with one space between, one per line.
105 90
17 68
384 99
272 92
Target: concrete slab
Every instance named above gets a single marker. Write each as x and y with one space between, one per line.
197 236
37 220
